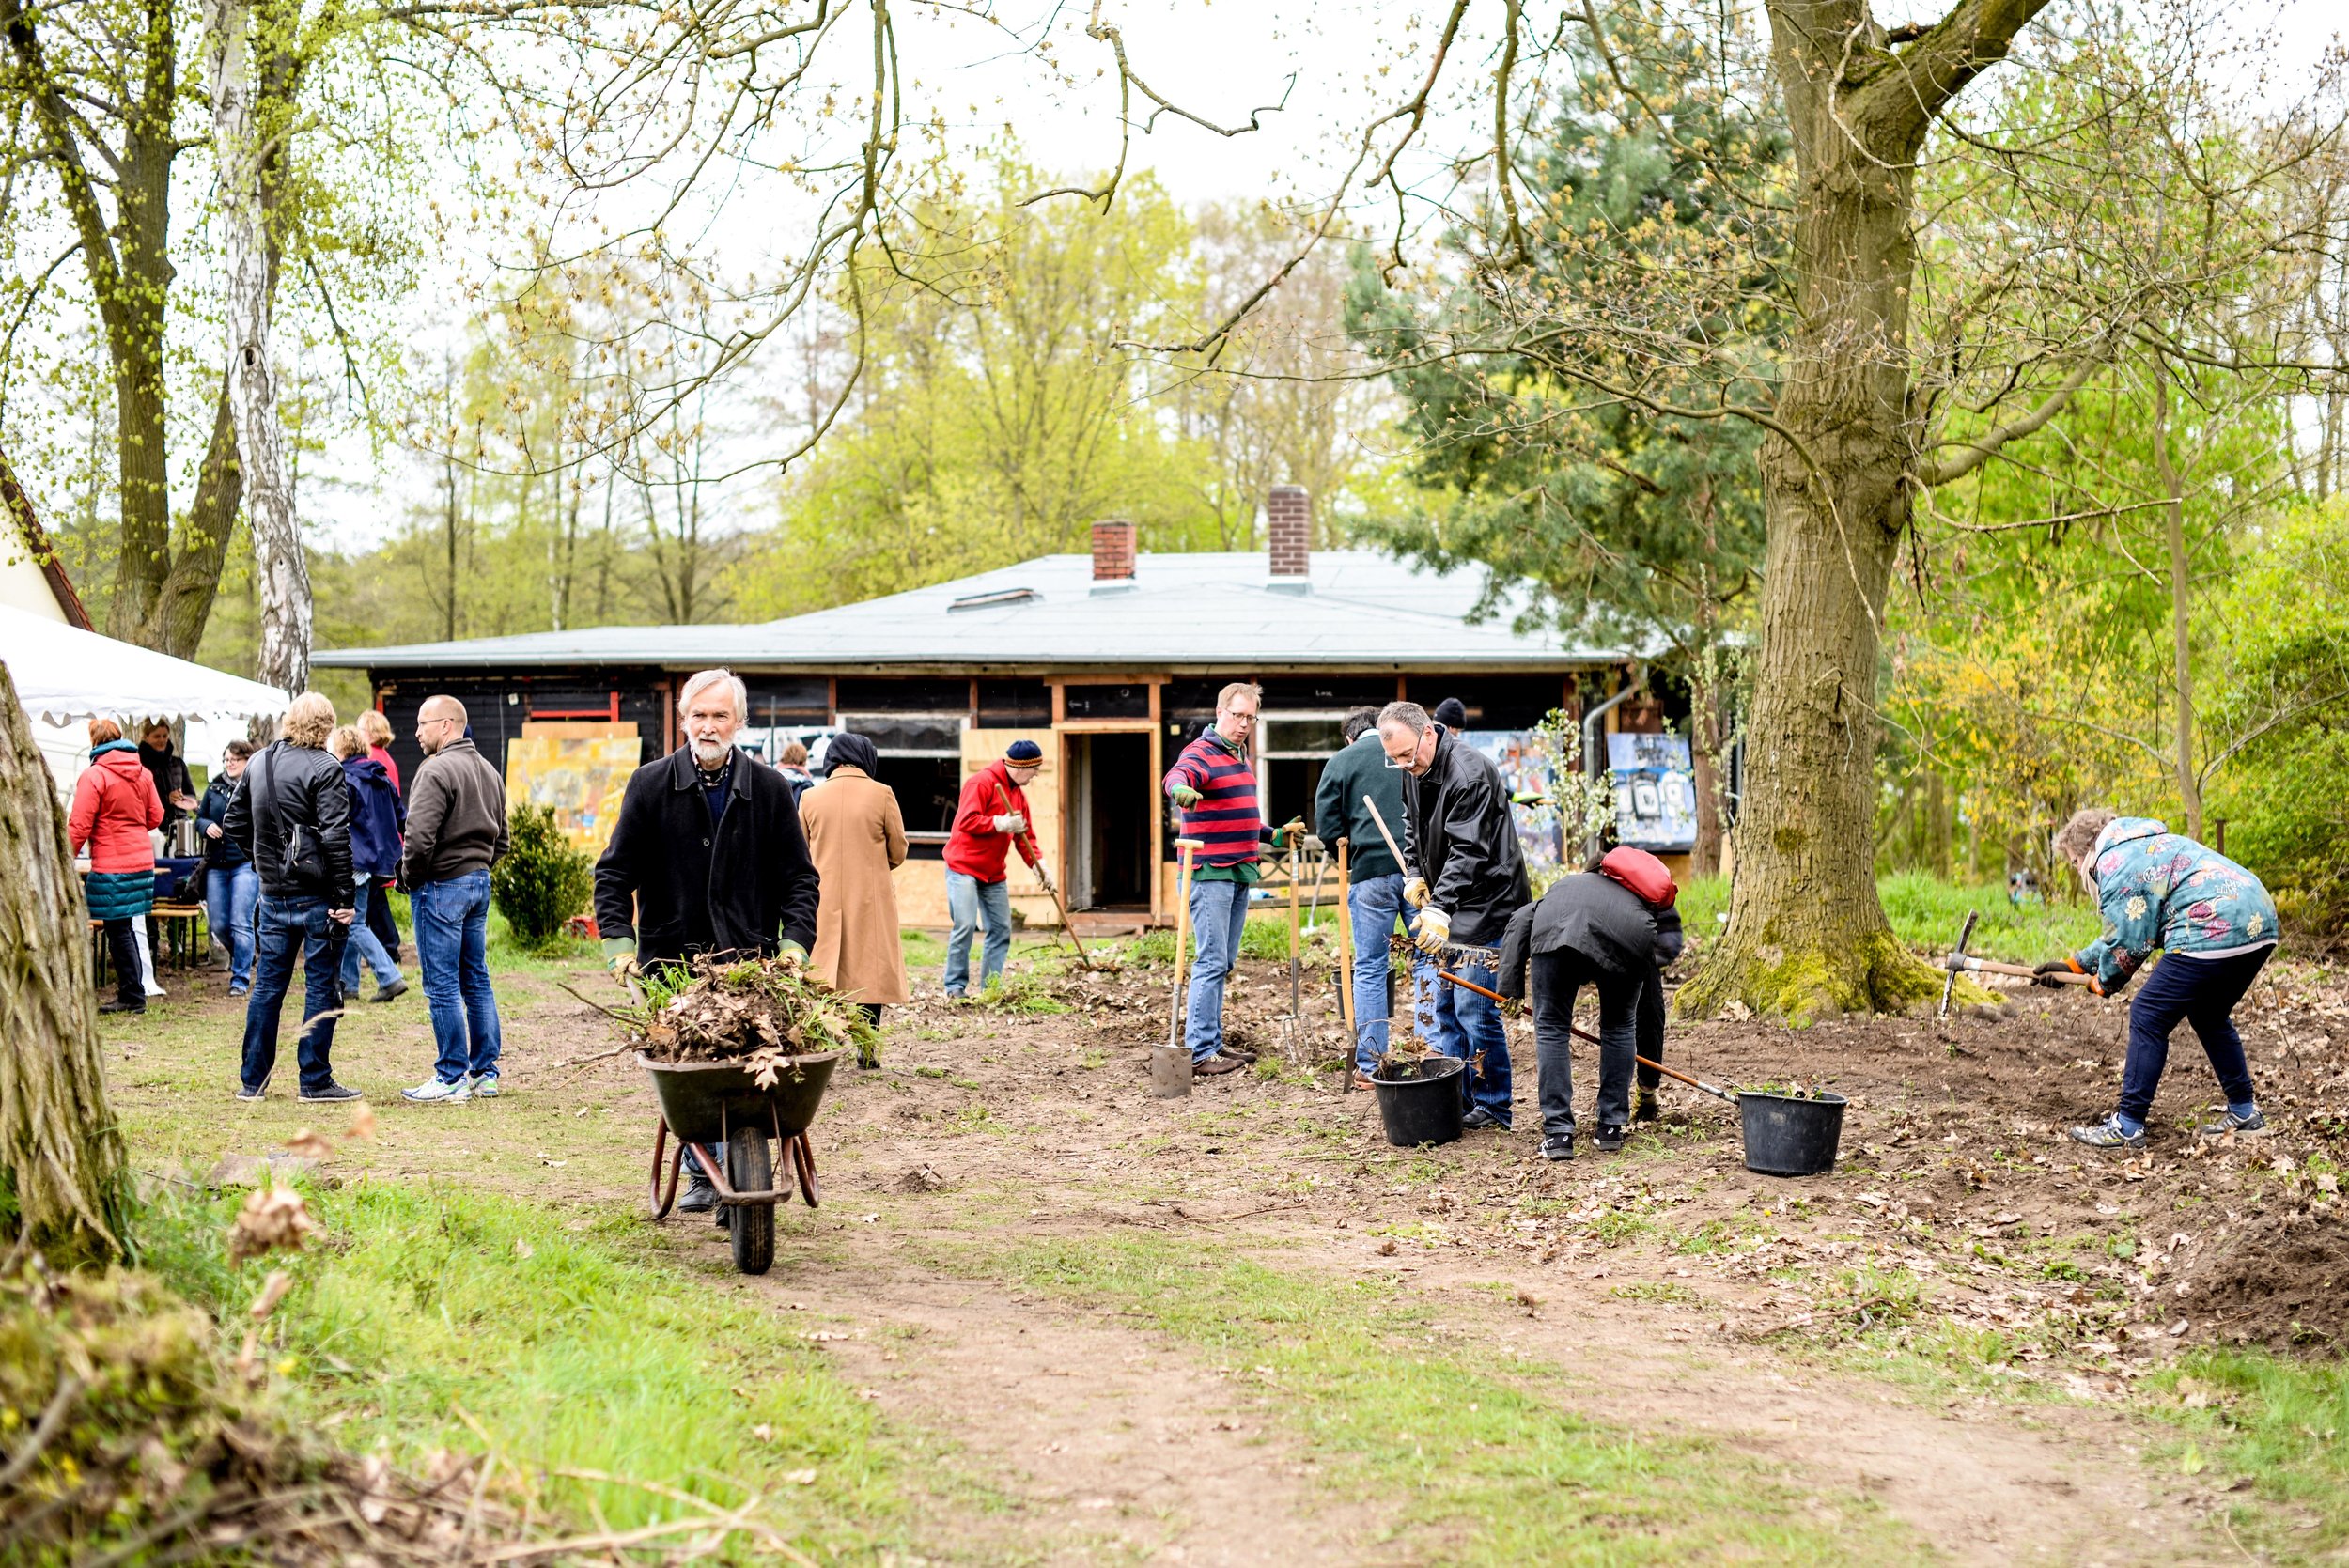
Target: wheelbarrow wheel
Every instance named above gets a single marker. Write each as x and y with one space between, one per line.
752 1225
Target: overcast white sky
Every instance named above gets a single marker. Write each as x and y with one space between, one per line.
1338 62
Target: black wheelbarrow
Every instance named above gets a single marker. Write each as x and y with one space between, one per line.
721 1103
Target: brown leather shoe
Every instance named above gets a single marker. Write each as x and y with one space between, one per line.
1215 1065
1362 1079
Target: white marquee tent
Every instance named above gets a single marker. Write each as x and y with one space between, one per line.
65 676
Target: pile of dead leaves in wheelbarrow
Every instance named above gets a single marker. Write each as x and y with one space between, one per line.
759 1013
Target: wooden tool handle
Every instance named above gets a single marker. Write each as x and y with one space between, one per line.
1372 806
2021 971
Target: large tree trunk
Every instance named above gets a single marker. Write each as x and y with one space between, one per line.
1807 934
62 1165
239 148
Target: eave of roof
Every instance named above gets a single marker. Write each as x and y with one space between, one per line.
1208 612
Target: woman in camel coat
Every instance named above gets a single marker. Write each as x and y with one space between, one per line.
857 838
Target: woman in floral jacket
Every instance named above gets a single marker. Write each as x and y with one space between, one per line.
2215 926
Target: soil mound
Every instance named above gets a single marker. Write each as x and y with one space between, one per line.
2281 1281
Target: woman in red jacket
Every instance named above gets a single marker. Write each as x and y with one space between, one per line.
114 808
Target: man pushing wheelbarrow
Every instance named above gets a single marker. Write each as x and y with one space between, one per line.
708 858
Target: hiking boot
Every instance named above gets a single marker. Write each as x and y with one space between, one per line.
1218 1065
119 1005
1363 1080
2109 1134
434 1092
484 1085
1558 1147
331 1093
1610 1136
390 988
2252 1126
1480 1117
1644 1108
699 1197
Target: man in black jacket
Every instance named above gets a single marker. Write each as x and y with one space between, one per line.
1465 877
1589 928
293 818
708 857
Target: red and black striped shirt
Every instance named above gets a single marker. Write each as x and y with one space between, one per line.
1225 818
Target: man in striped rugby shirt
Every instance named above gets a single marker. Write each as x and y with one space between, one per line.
1213 786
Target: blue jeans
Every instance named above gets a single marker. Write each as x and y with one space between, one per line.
451 931
967 898
364 943
1371 904
1460 1023
229 894
281 928
1218 913
2202 991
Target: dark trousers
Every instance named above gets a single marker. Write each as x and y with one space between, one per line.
283 927
1556 977
1651 1026
2202 991
380 919
122 950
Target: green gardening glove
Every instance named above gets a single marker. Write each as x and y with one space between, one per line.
792 949
1185 795
619 957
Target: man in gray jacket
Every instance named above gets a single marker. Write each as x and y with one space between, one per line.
456 832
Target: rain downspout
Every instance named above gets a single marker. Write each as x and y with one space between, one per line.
1592 761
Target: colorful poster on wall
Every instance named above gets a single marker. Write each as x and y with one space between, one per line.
1656 795
1528 770
582 777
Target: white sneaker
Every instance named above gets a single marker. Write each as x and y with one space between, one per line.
432 1091
484 1086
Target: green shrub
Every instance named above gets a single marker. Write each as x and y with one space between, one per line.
542 881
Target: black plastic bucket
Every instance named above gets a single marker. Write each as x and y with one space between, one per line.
1421 1102
1789 1134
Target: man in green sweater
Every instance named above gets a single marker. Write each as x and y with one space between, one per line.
1374 893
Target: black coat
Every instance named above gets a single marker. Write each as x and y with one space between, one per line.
1457 833
223 853
681 887
1590 914
305 790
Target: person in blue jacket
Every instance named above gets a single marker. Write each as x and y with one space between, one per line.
2215 926
376 821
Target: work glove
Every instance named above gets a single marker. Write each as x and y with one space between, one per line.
2046 973
619 956
1044 878
1415 892
1286 831
1011 822
1433 931
1185 795
792 949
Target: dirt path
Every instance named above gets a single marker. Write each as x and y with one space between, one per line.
1100 1443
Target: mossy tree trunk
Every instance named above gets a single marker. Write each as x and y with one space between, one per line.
62 1165
1807 934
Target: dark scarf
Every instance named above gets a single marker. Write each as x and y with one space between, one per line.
850 751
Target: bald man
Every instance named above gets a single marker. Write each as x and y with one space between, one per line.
456 832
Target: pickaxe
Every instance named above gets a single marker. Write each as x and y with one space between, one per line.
1961 960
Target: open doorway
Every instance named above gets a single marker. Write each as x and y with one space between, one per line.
1108 826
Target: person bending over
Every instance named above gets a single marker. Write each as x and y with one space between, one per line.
1592 927
2215 926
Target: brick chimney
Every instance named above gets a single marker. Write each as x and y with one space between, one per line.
1113 551
1289 522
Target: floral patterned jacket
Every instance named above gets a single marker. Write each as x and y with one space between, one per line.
2161 890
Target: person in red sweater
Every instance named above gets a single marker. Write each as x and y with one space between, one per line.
990 819
114 807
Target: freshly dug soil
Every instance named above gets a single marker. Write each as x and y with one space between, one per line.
2282 1280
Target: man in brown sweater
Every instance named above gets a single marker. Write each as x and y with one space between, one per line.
456 832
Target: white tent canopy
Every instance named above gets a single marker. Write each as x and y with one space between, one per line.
65 675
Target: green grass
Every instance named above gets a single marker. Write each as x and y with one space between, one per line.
1926 914
920 948
442 1316
1467 1446
2285 1425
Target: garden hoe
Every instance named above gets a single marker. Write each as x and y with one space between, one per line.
1961 960
1102 963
